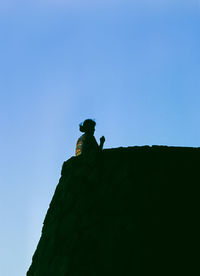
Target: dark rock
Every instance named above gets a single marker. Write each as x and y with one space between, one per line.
129 211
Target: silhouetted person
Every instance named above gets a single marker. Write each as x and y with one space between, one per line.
87 142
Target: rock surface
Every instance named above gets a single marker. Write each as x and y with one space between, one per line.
129 211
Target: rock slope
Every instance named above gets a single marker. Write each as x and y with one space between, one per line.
129 211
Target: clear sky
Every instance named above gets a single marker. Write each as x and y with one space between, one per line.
133 66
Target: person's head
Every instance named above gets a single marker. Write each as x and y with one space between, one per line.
88 126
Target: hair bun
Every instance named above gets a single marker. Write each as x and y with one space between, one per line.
81 128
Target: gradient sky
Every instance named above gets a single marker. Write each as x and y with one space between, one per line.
133 66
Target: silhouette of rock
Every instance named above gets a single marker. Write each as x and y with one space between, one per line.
132 211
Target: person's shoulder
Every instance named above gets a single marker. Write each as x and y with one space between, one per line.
83 137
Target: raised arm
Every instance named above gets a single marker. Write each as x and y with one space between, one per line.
102 140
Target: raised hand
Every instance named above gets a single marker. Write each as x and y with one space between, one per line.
102 139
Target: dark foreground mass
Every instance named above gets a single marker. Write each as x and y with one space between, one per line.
132 211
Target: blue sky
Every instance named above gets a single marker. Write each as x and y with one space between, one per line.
133 66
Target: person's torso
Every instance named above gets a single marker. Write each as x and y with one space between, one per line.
86 143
